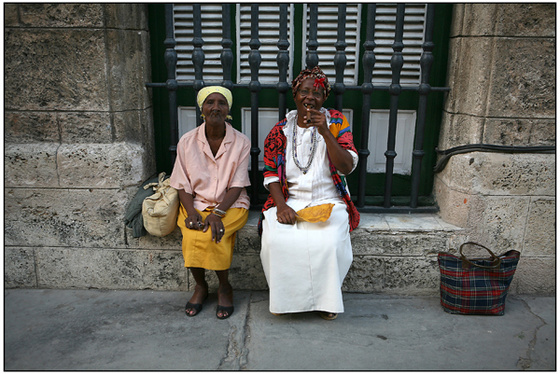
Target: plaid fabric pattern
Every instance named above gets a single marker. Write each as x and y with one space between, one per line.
468 289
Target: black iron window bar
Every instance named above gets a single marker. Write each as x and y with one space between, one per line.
312 59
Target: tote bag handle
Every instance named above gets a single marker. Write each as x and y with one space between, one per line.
495 258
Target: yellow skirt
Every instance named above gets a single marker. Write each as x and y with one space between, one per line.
199 251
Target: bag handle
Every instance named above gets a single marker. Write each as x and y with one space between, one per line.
465 259
157 184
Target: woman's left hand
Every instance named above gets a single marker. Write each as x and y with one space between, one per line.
216 226
315 118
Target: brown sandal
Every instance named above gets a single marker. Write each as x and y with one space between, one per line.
328 316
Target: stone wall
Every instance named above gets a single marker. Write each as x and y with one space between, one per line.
79 141
78 138
502 78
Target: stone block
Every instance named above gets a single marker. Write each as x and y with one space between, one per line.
133 126
11 16
498 222
55 69
100 165
520 131
526 19
19 268
30 165
109 269
126 16
535 276
248 240
246 272
171 241
31 127
502 19
523 79
470 75
540 232
460 129
85 127
128 61
367 274
457 19
64 217
487 173
412 275
62 15
397 243
454 205
475 20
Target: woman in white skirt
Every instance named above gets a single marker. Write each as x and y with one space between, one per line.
306 158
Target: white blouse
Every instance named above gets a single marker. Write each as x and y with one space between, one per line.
316 186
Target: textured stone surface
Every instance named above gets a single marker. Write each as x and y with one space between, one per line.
469 75
64 217
61 15
535 275
454 205
100 165
71 76
520 19
498 222
109 269
523 79
520 131
501 174
11 17
126 16
460 129
540 232
85 127
367 274
127 51
31 127
19 268
411 275
30 165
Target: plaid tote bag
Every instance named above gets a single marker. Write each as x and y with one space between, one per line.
476 286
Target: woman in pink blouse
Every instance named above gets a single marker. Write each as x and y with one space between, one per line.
211 173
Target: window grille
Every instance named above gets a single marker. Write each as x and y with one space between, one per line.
413 37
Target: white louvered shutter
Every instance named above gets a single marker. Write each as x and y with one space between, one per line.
269 17
327 25
413 37
211 18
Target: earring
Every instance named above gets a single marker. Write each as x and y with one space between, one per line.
202 116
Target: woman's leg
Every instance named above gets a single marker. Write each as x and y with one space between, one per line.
200 290
225 295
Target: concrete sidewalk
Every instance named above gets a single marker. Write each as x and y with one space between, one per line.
148 330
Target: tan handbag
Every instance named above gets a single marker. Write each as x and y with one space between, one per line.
160 210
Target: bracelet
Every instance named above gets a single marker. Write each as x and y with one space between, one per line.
220 213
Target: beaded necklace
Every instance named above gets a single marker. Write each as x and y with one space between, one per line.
305 168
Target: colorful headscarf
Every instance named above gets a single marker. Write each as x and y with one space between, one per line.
207 91
321 80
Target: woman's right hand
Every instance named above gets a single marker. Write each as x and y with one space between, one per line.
194 221
285 214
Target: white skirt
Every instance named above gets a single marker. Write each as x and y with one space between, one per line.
305 263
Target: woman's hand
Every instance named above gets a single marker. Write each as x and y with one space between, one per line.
194 220
285 214
216 226
341 158
315 118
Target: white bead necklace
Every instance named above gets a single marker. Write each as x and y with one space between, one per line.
305 168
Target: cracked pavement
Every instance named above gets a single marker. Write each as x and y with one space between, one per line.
148 330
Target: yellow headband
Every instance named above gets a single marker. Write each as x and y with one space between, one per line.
207 91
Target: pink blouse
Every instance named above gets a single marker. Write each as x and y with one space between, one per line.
206 177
